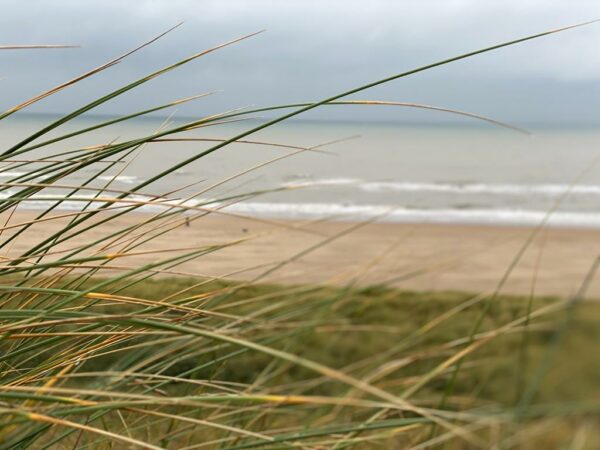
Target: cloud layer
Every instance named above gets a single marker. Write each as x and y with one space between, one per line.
313 49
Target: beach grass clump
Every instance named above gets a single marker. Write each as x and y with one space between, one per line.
99 353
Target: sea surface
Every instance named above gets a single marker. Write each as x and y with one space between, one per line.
467 173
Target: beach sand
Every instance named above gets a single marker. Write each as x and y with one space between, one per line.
420 257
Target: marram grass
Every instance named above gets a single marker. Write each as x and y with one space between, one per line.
140 359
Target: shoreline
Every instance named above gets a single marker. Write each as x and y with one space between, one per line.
311 212
418 257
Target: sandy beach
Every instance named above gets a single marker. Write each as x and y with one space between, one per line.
408 256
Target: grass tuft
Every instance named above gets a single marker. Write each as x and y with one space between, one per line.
97 352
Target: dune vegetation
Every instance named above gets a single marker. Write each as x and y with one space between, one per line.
99 354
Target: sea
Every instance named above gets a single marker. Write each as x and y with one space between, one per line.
459 173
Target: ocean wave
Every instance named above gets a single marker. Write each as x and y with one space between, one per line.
482 188
309 182
125 179
337 211
386 213
9 174
514 189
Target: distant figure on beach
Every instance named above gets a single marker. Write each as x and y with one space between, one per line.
187 221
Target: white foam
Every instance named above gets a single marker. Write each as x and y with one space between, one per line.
345 212
406 215
9 174
546 189
516 189
323 182
125 179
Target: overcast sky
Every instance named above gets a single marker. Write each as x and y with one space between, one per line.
312 49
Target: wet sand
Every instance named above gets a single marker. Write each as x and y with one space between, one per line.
408 256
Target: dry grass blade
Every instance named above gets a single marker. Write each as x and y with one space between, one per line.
83 76
42 418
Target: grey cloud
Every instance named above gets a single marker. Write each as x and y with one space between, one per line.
313 49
